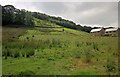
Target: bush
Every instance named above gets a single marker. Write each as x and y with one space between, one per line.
110 65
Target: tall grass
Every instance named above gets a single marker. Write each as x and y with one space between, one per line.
88 54
56 48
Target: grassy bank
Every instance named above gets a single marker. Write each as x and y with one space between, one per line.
66 52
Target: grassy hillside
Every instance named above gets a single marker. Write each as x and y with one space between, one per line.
57 51
38 44
44 23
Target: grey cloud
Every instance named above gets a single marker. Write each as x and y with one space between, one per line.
51 7
107 17
93 5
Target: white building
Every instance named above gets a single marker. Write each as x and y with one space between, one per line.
111 32
97 32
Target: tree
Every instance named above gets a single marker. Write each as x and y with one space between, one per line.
28 19
11 15
87 29
8 15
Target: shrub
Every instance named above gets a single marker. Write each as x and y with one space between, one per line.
110 65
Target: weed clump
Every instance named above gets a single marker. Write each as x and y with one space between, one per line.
77 54
29 52
110 65
88 54
95 46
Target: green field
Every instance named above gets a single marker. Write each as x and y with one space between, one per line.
57 51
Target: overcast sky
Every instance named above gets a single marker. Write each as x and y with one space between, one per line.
84 13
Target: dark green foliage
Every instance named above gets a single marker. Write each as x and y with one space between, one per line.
63 22
8 15
40 16
28 19
11 15
110 65
84 28
87 29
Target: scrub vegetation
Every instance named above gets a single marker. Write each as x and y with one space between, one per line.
68 52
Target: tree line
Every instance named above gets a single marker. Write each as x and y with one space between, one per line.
13 16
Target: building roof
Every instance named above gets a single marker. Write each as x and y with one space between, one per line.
96 30
111 29
106 27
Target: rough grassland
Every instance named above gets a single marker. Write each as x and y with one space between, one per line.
68 52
